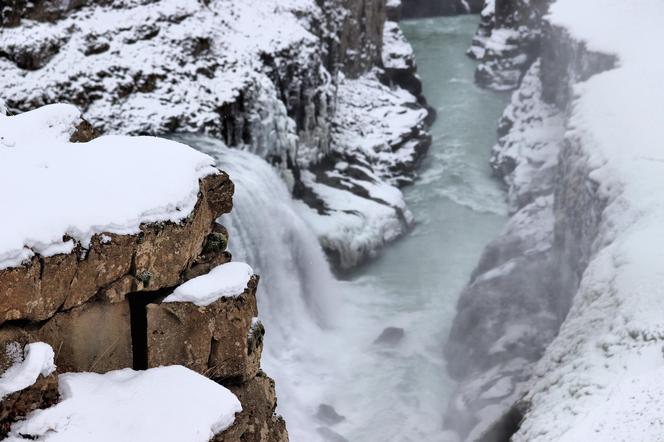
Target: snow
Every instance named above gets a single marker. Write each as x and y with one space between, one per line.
226 280
354 227
397 51
373 127
191 81
111 184
161 404
37 360
601 377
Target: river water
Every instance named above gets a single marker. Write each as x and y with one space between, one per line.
319 345
400 393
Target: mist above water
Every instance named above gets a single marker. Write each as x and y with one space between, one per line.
320 343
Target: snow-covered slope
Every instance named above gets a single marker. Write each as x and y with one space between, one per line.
558 334
600 379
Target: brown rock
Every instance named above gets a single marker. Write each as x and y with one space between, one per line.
179 333
94 337
159 257
236 346
257 422
218 340
42 394
20 294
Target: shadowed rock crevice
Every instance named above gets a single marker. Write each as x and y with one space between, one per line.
139 324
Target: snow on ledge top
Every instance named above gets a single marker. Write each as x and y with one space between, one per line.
164 404
37 360
226 280
52 189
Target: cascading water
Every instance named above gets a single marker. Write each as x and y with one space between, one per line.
296 298
320 343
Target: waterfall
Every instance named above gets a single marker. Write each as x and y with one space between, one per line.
296 296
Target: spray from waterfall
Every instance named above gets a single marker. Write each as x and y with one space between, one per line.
296 296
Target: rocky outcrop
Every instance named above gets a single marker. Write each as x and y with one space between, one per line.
100 307
524 286
265 89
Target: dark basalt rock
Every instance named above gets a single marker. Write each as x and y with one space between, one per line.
390 336
328 415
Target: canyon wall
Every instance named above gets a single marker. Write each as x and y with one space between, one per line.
553 326
100 302
326 91
279 80
432 8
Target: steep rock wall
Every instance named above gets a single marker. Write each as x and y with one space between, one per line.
523 288
507 41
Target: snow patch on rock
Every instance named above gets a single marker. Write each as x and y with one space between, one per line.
226 280
37 360
164 404
57 191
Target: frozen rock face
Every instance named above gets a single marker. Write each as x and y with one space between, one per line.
563 345
98 302
507 41
516 299
260 75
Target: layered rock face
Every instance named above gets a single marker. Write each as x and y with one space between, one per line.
554 338
507 41
265 76
99 302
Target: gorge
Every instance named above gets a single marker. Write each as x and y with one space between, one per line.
403 281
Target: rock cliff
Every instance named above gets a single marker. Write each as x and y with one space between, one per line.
552 339
100 298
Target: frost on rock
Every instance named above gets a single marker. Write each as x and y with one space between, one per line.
355 206
161 404
507 41
36 360
514 291
226 280
77 184
600 379
397 51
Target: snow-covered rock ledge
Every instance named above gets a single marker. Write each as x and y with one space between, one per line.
565 342
600 378
113 257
